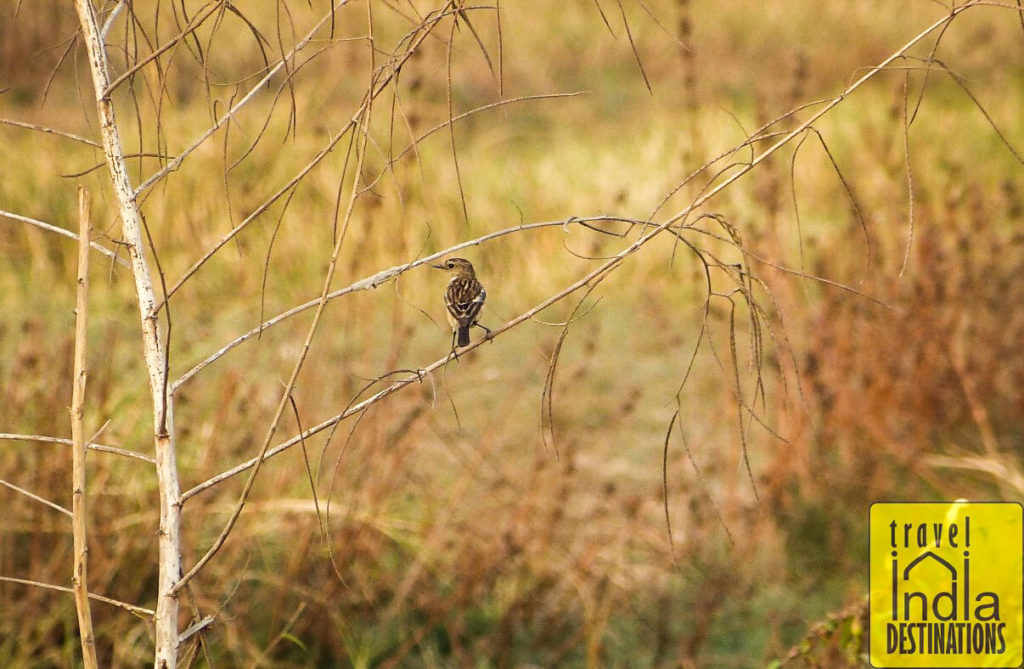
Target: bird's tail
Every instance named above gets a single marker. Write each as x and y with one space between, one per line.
464 336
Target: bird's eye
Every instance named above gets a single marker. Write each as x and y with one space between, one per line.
451 265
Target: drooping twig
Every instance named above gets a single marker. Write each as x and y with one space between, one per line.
379 86
209 132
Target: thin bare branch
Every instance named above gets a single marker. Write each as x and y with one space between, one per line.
92 447
137 610
547 396
451 125
79 519
37 498
196 629
664 478
64 233
111 17
632 45
984 112
477 110
908 169
52 131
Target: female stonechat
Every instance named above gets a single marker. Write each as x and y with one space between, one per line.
463 299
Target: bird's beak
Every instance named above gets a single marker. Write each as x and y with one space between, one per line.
439 267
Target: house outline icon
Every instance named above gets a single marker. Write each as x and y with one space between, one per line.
927 554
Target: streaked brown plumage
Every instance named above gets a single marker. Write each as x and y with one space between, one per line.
463 299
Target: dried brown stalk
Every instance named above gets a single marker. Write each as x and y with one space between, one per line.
79 517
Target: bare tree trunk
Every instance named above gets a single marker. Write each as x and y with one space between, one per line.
79 580
166 462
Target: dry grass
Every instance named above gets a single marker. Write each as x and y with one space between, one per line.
455 536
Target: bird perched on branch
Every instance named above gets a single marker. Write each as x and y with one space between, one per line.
463 299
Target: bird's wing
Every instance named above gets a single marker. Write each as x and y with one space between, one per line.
464 299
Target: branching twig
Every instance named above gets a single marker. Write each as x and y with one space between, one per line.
166 620
362 121
378 88
655 230
209 132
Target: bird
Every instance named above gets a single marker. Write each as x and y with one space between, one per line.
463 299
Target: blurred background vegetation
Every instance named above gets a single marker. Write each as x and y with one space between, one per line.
456 536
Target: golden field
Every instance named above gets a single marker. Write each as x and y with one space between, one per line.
861 339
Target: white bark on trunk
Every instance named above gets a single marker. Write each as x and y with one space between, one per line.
166 462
